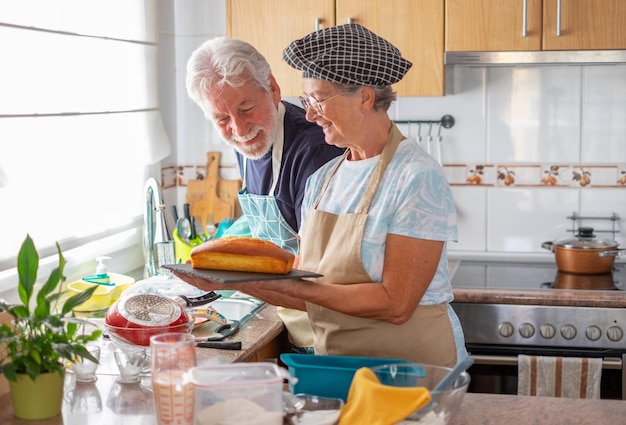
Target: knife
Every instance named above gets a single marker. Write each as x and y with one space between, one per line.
222 345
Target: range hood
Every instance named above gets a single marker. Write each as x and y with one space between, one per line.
544 57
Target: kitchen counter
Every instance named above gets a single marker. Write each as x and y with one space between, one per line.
551 297
106 401
493 409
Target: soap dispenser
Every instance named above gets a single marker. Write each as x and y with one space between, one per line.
102 276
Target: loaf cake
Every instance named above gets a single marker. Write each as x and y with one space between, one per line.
242 254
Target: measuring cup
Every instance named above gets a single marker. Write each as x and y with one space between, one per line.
172 357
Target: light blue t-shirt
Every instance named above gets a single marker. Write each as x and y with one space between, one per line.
413 199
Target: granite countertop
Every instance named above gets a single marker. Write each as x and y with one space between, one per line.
494 409
551 297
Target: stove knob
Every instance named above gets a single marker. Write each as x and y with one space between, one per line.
505 329
568 331
526 330
593 333
547 331
614 333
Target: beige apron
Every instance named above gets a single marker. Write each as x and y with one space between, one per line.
331 245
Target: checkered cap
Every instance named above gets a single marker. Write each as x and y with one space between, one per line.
347 54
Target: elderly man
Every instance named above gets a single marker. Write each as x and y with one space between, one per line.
276 147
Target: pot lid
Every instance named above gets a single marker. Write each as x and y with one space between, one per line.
585 239
149 310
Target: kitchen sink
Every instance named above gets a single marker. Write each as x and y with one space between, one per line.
233 307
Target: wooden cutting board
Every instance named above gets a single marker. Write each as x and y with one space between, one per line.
213 195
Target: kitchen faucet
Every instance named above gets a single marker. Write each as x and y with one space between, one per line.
158 247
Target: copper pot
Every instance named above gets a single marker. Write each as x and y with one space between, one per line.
583 281
584 254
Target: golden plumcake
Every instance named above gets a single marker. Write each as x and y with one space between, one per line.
243 255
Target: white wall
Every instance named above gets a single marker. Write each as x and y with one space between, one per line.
516 120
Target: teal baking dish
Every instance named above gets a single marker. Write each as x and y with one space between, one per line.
327 376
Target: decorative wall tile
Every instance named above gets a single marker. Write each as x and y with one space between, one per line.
604 112
533 113
536 175
471 209
465 101
168 177
520 219
621 175
605 202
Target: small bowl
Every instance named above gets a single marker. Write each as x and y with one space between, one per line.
315 410
122 283
445 403
141 336
104 295
99 300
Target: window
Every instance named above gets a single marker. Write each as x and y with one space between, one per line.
80 123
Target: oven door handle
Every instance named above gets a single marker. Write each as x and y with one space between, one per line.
607 362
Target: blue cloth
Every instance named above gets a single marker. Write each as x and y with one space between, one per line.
233 227
304 151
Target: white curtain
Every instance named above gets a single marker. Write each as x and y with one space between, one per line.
79 118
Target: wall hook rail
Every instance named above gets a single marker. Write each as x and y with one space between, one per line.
447 121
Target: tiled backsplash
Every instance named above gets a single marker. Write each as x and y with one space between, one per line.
531 146
537 175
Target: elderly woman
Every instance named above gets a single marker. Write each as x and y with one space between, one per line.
375 221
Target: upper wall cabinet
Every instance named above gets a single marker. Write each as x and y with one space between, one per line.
414 26
514 25
584 24
270 25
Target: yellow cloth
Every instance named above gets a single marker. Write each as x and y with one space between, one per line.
370 402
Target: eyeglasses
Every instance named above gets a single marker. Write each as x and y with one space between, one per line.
310 102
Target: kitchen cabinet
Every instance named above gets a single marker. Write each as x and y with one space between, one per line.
414 26
270 25
520 25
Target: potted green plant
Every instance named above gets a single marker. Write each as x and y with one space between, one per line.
43 336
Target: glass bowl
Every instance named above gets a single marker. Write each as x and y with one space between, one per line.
315 410
444 403
141 336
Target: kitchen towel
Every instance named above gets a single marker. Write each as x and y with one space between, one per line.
569 377
372 403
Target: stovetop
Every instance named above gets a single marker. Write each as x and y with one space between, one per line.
521 304
531 276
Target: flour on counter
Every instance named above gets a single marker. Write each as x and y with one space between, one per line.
237 411
318 417
431 418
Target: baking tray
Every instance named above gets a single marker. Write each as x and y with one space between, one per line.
226 276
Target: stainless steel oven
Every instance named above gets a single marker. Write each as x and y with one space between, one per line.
507 309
